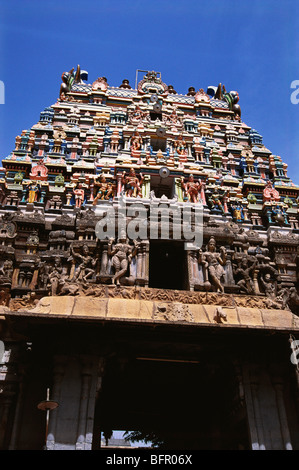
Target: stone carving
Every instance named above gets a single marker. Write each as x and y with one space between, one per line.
220 315
8 228
6 272
43 274
86 268
56 277
269 286
173 312
54 203
121 254
212 263
12 198
243 273
286 299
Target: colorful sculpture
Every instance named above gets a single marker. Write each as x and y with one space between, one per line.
104 189
132 184
192 189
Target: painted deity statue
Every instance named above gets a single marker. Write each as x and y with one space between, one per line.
270 194
180 145
132 184
136 142
79 195
216 200
121 256
33 192
104 191
213 263
192 188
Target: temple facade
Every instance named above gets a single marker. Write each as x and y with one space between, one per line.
148 273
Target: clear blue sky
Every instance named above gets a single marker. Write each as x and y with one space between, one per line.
250 46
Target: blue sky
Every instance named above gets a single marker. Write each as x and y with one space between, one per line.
250 46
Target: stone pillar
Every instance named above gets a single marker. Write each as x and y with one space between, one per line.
278 387
58 373
83 443
104 260
267 419
253 420
18 412
76 383
145 262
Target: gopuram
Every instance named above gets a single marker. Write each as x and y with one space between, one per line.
180 322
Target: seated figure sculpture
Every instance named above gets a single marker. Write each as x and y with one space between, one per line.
104 191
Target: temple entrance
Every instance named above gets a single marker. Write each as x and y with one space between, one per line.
181 404
167 265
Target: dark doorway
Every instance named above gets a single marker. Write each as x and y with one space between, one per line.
186 404
162 186
167 265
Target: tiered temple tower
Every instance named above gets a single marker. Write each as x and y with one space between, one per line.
129 321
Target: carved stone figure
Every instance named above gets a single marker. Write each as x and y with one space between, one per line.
6 272
213 263
245 270
86 268
54 203
269 286
43 274
121 256
56 277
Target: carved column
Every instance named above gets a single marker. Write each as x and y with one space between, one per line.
285 433
58 373
139 263
104 260
253 415
76 385
15 431
85 390
145 267
257 414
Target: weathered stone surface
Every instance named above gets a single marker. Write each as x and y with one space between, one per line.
250 316
169 312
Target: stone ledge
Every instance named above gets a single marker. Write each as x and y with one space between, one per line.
158 311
